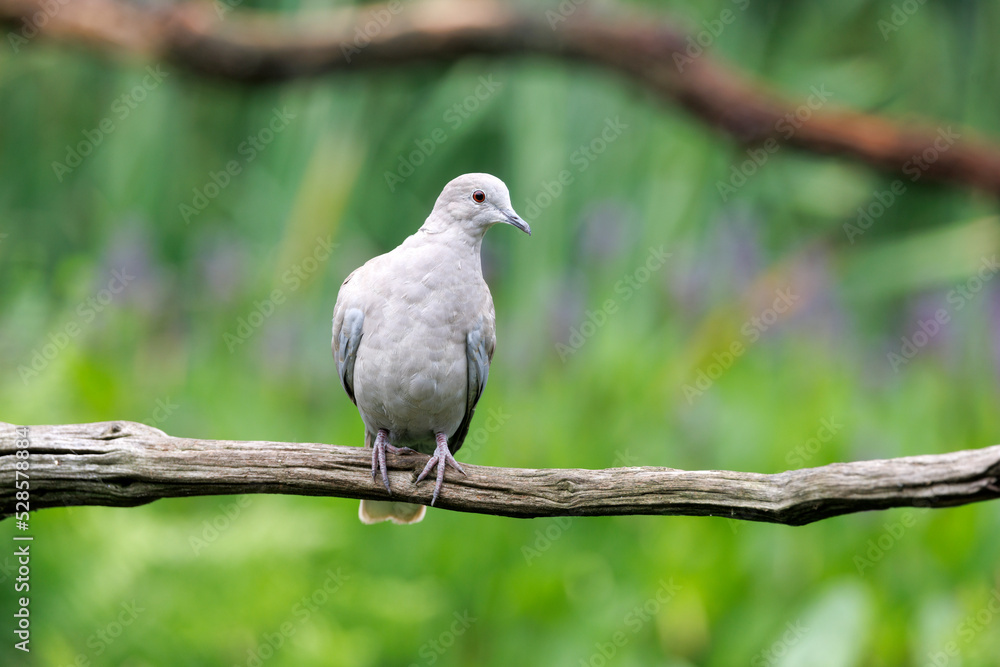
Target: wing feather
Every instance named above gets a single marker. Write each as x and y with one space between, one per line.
348 329
479 350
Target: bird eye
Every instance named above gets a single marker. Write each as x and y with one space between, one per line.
479 196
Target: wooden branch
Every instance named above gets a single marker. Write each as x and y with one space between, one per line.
124 464
252 48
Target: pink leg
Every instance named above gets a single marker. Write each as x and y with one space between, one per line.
442 458
379 448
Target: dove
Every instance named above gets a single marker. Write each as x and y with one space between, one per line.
413 336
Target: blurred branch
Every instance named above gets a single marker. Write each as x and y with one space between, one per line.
124 464
211 39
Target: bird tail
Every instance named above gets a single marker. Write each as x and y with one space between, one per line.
374 511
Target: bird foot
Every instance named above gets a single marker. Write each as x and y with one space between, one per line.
441 459
379 448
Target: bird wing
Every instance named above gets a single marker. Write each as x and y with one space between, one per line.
479 345
348 325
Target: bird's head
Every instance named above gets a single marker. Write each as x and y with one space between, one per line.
477 202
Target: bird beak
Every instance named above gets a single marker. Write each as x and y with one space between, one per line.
514 219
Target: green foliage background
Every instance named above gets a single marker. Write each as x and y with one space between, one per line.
217 581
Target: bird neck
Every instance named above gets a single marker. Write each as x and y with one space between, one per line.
455 236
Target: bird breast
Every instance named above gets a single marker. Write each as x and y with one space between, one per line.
411 373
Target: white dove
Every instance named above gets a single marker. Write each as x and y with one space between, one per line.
413 336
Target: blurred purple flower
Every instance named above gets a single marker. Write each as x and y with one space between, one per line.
129 259
221 261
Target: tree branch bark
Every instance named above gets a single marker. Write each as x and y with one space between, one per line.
124 464
250 47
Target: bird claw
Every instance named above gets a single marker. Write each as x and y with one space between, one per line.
378 458
441 459
379 448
